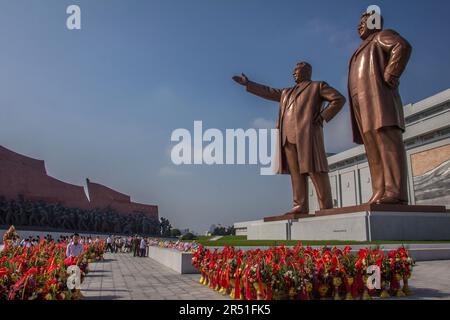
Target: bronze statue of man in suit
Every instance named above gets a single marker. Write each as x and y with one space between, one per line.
300 119
377 111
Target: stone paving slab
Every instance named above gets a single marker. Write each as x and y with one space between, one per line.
122 276
431 280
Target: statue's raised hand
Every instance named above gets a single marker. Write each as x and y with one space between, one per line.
242 79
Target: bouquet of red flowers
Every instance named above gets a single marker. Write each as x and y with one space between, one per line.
299 272
37 272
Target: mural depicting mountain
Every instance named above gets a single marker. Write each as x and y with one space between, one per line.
433 187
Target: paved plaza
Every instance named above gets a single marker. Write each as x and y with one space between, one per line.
431 280
122 276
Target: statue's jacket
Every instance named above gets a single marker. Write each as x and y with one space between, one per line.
308 99
382 54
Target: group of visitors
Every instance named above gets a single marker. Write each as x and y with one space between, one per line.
115 244
33 240
138 245
74 243
131 244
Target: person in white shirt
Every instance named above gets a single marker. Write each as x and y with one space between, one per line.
142 247
109 244
75 248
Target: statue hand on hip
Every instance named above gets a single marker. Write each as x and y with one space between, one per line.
391 80
318 120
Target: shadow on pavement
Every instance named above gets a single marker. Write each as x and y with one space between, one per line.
108 297
425 293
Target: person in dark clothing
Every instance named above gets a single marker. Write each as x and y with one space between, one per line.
136 243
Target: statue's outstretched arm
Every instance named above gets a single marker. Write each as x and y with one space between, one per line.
260 90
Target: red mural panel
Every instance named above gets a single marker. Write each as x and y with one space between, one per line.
102 196
21 175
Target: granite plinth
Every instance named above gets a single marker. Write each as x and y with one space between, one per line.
368 222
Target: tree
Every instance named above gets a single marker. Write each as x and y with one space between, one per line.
224 231
165 227
188 236
175 233
231 231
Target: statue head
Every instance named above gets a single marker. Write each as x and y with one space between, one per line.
367 26
302 72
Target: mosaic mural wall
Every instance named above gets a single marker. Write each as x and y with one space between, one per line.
431 176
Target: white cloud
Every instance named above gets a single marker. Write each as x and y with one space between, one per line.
343 39
261 123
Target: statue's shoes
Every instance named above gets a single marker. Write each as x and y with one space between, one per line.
390 200
375 197
297 210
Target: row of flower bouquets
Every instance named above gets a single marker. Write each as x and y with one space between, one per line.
176 245
304 273
41 272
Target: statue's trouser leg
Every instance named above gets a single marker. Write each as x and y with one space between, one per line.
299 181
373 155
375 165
393 156
321 182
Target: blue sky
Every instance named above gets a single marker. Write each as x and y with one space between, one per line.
102 102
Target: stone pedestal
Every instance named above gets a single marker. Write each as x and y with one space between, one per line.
358 223
178 261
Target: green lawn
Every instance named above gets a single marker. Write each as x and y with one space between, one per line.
242 241
200 239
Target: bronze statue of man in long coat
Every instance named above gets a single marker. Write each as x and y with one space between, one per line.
300 119
376 108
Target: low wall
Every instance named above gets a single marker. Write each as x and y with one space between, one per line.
178 261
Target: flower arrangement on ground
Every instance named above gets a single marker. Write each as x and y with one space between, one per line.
303 273
40 272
